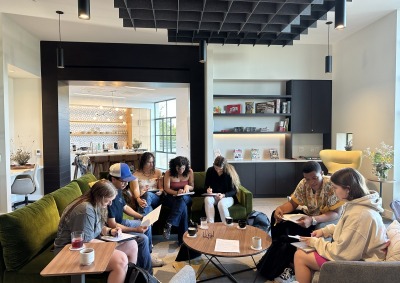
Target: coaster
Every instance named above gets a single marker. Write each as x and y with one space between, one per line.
203 227
253 248
191 236
241 228
78 249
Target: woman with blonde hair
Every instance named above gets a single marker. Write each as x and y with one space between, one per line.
88 213
222 180
359 235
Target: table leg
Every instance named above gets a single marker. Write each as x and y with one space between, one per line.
78 278
380 189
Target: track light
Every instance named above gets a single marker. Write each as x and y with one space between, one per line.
84 9
328 59
202 51
60 51
340 14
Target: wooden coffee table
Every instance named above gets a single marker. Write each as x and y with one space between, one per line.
206 245
66 262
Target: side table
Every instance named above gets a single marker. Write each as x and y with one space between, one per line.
381 182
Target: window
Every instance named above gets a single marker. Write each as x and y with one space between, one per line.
165 132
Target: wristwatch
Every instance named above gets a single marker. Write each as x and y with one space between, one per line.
314 221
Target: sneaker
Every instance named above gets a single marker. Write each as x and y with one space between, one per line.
167 231
286 276
156 262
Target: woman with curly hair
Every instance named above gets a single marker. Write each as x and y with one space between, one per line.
223 180
178 180
88 213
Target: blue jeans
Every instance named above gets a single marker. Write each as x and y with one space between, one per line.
179 216
152 200
144 242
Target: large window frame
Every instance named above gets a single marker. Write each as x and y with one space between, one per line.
165 132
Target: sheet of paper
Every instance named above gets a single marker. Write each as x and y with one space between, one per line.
212 194
227 246
303 246
151 217
295 237
189 193
122 238
292 217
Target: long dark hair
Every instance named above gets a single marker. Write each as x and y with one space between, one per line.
179 161
143 160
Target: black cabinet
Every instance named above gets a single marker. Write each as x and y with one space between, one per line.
285 178
311 105
247 175
265 179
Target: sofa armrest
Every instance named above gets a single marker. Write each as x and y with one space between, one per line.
245 198
359 271
185 275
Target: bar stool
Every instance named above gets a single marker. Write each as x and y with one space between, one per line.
132 160
100 165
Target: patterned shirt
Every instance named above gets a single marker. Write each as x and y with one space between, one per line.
319 203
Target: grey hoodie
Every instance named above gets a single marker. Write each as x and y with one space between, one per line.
359 235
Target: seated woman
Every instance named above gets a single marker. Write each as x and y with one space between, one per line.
178 180
147 192
223 180
88 213
359 235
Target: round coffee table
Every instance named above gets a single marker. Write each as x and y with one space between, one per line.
205 241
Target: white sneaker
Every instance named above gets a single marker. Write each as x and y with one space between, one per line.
286 276
156 262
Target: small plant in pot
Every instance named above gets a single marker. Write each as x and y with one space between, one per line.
21 156
349 145
136 144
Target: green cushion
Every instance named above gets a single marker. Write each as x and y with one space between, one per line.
84 181
199 178
24 232
65 195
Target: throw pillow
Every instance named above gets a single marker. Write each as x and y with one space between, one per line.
393 233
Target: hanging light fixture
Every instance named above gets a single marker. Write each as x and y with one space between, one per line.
84 9
202 51
60 51
340 14
328 59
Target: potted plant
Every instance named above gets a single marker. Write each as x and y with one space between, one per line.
349 145
136 144
21 156
381 160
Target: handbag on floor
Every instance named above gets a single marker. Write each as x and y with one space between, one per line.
135 274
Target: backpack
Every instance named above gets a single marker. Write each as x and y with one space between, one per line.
136 274
260 220
395 206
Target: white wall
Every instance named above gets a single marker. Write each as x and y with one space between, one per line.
364 92
20 49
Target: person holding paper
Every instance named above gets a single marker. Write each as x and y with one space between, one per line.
148 191
359 234
223 180
316 197
120 174
88 213
178 180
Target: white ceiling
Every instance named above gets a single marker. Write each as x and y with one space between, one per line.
40 19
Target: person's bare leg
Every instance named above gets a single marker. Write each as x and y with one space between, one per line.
130 248
117 267
304 266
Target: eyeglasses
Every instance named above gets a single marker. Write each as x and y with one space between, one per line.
119 179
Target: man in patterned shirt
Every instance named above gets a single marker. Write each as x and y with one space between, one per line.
314 197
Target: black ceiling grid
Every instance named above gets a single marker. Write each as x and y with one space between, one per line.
255 22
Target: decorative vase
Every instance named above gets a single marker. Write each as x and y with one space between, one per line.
381 170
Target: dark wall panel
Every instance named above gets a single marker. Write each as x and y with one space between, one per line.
113 62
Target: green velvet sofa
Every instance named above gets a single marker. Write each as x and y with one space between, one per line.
237 211
27 236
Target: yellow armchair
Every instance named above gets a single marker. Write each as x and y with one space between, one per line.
338 159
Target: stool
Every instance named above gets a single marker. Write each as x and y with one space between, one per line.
131 160
100 165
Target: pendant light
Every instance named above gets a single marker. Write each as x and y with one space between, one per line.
202 51
84 9
328 59
60 51
340 14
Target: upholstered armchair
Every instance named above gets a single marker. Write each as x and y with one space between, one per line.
338 159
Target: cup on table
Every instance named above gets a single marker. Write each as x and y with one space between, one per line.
87 256
228 220
77 239
256 242
203 222
242 223
192 231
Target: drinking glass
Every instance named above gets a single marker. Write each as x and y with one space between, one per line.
77 239
203 222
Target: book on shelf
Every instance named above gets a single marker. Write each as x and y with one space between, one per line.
233 108
273 153
278 106
255 154
238 154
284 107
281 126
286 124
249 107
289 105
265 107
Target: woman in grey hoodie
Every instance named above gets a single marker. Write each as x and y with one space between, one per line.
359 235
